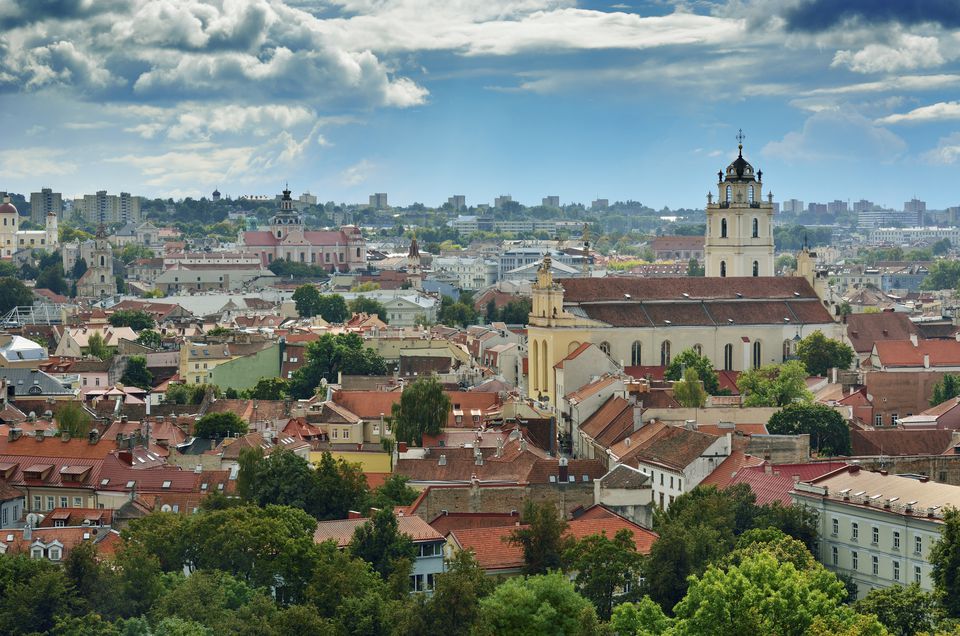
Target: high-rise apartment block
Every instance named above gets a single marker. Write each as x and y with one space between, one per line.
501 200
837 207
792 206
600 204
915 207
458 202
551 201
108 208
378 201
43 203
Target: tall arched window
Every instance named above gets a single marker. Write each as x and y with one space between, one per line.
698 349
750 195
786 349
729 194
723 228
605 347
756 355
534 366
545 366
756 268
723 268
665 353
102 261
756 227
728 357
635 351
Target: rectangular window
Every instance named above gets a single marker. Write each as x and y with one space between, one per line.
835 554
50 502
917 574
37 502
64 502
855 531
918 544
661 479
876 565
671 481
336 433
896 539
855 559
878 420
78 502
893 419
876 535
836 527
896 570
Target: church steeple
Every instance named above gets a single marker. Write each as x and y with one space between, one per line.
739 239
414 273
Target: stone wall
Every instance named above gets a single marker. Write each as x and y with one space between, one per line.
504 499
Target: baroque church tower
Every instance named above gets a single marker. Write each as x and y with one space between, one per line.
739 240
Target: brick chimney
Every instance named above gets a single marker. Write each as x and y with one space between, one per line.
564 470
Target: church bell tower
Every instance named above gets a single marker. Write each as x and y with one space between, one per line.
739 239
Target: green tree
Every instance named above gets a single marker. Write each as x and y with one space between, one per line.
454 313
8 270
33 595
248 462
268 389
491 311
643 618
941 247
694 268
393 492
225 424
136 319
333 308
369 306
945 559
455 604
942 274
785 262
763 596
904 611
339 577
828 430
605 568
331 355
97 347
137 374
819 354
177 394
162 535
690 359
775 384
73 419
150 338
13 293
516 312
542 538
307 301
79 269
946 389
689 391
282 478
545 604
52 278
134 251
423 408
341 487
380 543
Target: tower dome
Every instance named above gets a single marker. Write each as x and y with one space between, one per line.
740 169
7 208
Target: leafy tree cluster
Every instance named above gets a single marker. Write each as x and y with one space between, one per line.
285 268
515 312
790 238
423 409
73 419
136 319
13 293
218 425
820 354
267 389
942 274
775 384
701 365
310 302
150 338
828 430
189 393
331 355
456 312
137 374
946 389
369 306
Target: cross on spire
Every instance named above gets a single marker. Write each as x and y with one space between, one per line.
740 137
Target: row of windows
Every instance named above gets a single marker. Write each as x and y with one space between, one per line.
636 349
51 502
875 565
875 536
723 269
755 233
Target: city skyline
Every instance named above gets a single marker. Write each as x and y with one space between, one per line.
425 100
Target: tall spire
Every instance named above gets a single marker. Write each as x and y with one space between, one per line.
414 249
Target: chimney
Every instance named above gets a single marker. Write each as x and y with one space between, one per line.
478 456
126 457
564 470
926 361
27 532
38 435
853 469
913 339
796 479
14 434
442 461
353 514
767 468
64 436
401 447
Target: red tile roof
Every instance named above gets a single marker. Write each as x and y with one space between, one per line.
370 405
590 389
903 353
105 539
898 442
614 287
573 354
673 446
341 530
611 422
444 523
776 485
723 475
866 329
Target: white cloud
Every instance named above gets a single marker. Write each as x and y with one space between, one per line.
935 112
896 83
21 163
357 173
837 135
947 151
908 52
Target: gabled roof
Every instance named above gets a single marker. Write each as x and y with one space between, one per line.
897 442
866 329
724 474
592 388
611 422
674 447
903 353
574 354
341 530
773 482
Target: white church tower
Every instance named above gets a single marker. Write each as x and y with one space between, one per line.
739 239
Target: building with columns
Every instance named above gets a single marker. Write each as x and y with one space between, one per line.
739 238
340 250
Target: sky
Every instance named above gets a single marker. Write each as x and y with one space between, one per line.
424 99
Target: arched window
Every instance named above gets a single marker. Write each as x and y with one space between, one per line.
103 278
750 195
605 347
278 234
535 366
544 366
729 194
635 351
103 263
723 228
572 347
723 268
756 268
786 349
698 349
756 224
728 357
665 353
756 354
